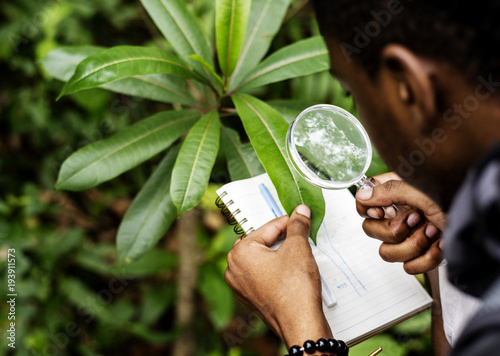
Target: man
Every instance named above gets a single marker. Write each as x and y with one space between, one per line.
426 77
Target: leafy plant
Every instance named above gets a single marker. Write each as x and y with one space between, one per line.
206 97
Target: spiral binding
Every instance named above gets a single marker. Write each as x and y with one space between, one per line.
231 217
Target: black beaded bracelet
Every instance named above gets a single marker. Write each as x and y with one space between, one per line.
323 345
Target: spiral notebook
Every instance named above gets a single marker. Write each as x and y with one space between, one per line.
372 295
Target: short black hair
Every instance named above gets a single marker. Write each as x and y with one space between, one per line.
465 34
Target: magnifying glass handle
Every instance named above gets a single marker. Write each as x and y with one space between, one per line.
371 183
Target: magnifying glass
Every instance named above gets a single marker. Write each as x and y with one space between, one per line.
330 148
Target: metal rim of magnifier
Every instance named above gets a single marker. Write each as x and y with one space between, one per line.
304 171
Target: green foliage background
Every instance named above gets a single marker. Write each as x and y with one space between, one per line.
75 297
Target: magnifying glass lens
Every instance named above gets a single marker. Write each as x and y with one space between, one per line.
329 147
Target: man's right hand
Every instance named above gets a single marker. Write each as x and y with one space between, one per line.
411 236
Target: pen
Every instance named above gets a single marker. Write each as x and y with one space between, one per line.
376 352
270 201
327 294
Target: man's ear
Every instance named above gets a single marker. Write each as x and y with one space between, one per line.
412 78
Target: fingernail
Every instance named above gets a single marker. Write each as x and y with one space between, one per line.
373 213
413 219
303 210
431 231
365 194
390 212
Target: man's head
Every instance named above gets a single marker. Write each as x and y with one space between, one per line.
425 75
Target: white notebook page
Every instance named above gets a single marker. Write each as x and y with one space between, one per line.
371 293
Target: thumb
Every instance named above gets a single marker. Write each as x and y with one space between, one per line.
269 233
299 225
399 193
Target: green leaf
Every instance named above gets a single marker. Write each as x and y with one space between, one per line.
209 68
218 296
80 295
390 346
159 87
153 336
106 159
62 62
416 325
124 62
156 299
242 161
265 20
99 258
103 260
150 215
179 27
151 264
290 108
123 310
267 130
231 19
222 242
194 163
301 58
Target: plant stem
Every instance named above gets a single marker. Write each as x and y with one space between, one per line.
186 281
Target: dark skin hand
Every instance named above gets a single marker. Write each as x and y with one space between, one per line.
282 286
411 236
